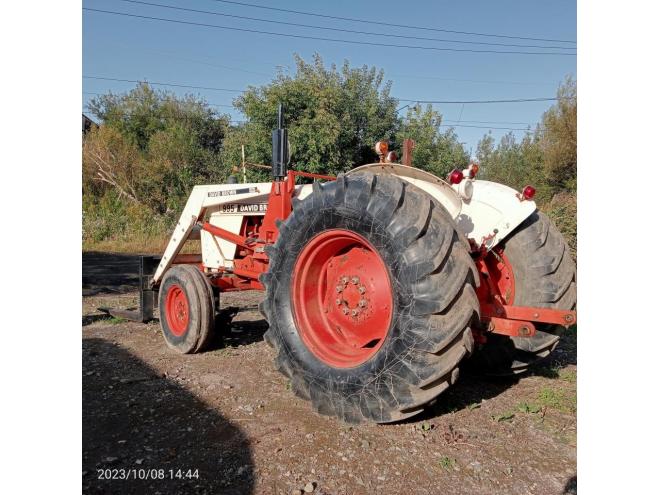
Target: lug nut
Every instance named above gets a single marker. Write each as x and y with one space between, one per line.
362 289
344 280
355 280
354 312
338 301
339 288
345 310
362 303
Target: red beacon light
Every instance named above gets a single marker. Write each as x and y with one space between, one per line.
455 177
473 168
528 192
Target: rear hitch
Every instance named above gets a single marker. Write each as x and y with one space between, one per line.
145 312
518 321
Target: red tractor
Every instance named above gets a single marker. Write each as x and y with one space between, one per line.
378 283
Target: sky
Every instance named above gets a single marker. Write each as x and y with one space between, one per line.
121 47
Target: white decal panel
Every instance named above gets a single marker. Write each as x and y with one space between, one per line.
243 208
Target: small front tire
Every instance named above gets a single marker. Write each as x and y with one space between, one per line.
186 309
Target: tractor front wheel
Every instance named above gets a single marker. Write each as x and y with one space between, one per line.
370 298
186 309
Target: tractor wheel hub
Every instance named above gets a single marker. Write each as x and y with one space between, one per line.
342 298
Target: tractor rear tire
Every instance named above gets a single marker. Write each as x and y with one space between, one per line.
370 297
186 309
544 275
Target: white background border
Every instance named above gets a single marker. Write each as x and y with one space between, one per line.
619 283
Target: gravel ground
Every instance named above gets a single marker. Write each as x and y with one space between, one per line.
225 421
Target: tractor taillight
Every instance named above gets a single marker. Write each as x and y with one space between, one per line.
473 168
455 177
528 192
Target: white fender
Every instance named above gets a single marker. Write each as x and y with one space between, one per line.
484 211
492 213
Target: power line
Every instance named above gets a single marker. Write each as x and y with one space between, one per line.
207 102
479 81
487 127
410 76
517 100
488 122
162 84
370 33
352 19
447 102
319 38
444 120
317 124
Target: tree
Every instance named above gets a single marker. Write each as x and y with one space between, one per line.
558 139
334 117
436 152
545 158
153 147
514 163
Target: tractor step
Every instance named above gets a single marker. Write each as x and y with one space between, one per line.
145 312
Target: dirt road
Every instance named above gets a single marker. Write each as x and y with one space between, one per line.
226 422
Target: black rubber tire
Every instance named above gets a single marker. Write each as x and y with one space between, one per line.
434 299
544 274
200 304
207 331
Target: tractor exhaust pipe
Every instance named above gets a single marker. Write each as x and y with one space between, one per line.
280 147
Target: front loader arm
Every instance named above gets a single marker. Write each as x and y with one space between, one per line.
191 213
201 198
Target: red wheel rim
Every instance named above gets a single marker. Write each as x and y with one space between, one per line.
342 298
177 311
500 275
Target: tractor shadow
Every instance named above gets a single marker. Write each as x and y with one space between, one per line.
109 273
236 333
136 423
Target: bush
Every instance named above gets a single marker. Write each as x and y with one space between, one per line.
562 210
111 223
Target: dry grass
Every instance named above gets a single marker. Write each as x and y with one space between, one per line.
138 244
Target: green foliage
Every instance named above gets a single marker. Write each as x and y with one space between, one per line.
141 163
560 400
334 117
506 416
529 407
545 158
109 217
447 463
152 147
562 210
437 152
558 139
